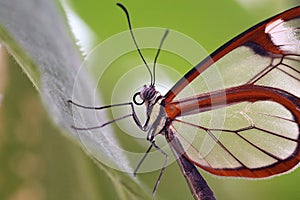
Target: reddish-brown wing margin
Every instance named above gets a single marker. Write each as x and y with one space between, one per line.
261 43
251 35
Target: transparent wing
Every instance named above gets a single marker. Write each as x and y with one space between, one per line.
267 54
237 113
257 139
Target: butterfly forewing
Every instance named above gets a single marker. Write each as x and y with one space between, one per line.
259 45
245 120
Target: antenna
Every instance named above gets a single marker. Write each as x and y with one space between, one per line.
133 38
157 54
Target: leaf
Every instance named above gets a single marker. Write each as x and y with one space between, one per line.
35 33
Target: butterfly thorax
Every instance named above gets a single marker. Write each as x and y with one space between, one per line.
155 121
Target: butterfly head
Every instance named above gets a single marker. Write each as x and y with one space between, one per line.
148 94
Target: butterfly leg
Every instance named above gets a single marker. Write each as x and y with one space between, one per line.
132 114
142 160
162 169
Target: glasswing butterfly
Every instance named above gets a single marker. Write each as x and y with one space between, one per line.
264 93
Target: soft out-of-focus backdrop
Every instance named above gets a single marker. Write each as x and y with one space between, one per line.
37 162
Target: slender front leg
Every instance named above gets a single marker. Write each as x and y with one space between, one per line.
132 114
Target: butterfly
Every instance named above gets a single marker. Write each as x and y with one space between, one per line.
247 125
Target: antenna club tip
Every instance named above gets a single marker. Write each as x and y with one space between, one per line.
120 5
123 8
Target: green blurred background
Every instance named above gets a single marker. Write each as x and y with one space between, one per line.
37 162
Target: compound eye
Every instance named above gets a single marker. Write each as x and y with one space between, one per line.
135 99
